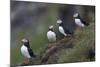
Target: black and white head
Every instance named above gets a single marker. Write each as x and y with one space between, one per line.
51 27
59 21
25 41
76 15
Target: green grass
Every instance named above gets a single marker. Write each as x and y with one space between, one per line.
37 43
83 41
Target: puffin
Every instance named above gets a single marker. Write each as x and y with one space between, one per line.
79 21
62 28
51 35
27 51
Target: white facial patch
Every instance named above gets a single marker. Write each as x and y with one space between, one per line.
75 15
51 27
59 21
24 40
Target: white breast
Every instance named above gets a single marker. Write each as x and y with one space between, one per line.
61 30
51 36
25 52
79 23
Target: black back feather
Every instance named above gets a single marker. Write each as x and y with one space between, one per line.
31 52
83 21
29 49
67 31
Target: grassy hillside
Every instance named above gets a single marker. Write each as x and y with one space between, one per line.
33 24
84 42
80 51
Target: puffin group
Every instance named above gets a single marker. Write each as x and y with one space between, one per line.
51 35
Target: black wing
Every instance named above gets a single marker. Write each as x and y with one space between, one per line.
84 22
67 31
31 52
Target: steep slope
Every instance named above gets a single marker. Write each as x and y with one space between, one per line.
81 49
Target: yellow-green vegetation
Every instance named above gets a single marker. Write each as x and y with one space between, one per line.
38 39
37 43
84 41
